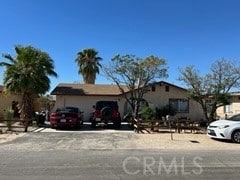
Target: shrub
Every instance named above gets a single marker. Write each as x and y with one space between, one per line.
147 113
164 111
8 116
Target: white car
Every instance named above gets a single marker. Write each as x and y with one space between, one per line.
225 129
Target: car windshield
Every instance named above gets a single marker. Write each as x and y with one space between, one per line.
235 118
102 104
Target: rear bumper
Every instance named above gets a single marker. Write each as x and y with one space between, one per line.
64 123
107 120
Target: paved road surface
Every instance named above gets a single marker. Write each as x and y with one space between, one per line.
97 156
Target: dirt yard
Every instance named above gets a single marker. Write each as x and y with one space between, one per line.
128 140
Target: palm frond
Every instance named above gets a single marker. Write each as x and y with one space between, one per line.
5 64
89 64
9 57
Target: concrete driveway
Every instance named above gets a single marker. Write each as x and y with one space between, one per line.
86 128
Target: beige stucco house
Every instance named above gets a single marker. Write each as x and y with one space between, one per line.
231 109
11 100
84 96
7 100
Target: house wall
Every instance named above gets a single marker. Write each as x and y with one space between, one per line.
6 101
160 97
235 105
157 98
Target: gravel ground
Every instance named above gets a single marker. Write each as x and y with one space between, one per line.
6 137
9 136
183 141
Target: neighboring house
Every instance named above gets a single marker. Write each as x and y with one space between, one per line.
8 101
231 109
159 94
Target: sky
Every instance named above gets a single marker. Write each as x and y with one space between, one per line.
184 32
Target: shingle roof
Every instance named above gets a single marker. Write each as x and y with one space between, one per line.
95 89
237 93
169 84
87 89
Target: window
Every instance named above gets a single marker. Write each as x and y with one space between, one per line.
179 105
167 88
235 118
228 108
153 88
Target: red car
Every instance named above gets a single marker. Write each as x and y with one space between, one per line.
66 117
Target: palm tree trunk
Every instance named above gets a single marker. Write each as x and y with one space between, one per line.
27 109
89 79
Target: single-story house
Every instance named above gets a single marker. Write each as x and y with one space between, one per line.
231 109
8 100
159 94
12 100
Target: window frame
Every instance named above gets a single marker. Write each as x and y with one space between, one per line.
228 108
179 101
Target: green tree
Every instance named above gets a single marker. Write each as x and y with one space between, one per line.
27 74
212 90
135 74
147 113
46 103
89 65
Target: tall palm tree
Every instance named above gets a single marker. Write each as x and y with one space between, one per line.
89 65
27 74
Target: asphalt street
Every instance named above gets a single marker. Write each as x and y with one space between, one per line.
72 155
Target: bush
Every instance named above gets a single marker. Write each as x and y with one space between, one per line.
164 111
8 116
147 113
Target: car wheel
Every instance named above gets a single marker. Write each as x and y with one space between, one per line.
78 125
93 124
117 125
236 136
